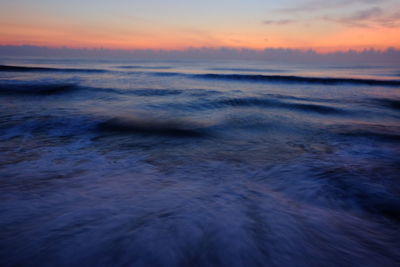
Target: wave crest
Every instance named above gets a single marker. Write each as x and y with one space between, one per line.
263 102
152 127
36 87
7 68
299 79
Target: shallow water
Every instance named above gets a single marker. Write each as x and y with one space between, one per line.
198 163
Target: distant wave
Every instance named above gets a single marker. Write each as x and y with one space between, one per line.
152 127
372 131
373 135
122 125
45 69
389 103
167 74
54 125
284 79
152 92
147 92
271 103
36 88
146 67
249 70
299 79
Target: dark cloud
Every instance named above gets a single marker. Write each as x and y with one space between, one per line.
360 18
390 21
371 17
369 13
314 5
279 22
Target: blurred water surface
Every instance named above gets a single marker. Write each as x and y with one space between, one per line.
198 163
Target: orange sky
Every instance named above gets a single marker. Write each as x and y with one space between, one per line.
151 24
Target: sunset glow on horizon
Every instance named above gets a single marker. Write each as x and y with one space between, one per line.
177 24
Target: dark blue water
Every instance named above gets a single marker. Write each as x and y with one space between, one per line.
198 163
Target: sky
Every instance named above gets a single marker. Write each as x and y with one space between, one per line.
323 25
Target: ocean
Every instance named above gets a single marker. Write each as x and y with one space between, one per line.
198 163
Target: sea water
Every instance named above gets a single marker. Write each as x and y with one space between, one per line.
198 163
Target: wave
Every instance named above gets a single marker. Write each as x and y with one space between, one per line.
248 70
299 79
50 125
148 92
36 87
146 67
168 74
83 124
389 137
152 127
371 131
152 92
303 99
5 68
389 103
50 86
271 103
284 79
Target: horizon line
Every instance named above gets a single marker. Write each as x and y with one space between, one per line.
371 54
317 50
